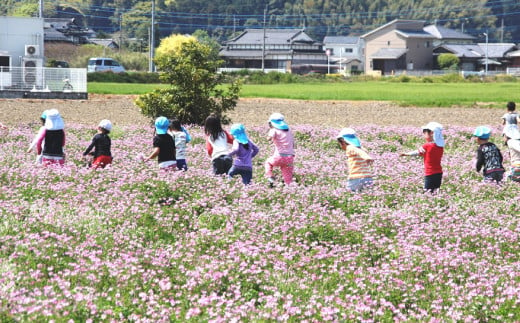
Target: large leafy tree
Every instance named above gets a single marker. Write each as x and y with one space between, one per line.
195 89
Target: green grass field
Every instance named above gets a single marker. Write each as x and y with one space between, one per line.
416 94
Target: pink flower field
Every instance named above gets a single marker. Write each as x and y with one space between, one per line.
132 243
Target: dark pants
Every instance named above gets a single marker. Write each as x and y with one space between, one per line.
222 164
494 176
182 165
245 172
432 182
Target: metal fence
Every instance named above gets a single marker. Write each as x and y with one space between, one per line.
43 79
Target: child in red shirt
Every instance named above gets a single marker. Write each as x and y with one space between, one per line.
432 152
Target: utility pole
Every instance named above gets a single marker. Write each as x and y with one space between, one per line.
502 31
40 9
487 52
120 31
151 67
263 40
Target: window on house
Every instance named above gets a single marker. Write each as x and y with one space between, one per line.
388 43
427 44
348 50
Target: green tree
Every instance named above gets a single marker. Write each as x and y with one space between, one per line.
448 61
196 89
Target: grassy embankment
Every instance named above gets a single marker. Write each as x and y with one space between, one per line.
418 94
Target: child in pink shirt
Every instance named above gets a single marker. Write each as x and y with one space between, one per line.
283 156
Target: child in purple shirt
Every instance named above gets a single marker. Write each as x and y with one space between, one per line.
244 150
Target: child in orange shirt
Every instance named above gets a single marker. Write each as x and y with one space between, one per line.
359 161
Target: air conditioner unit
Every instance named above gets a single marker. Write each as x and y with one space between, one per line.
32 70
32 50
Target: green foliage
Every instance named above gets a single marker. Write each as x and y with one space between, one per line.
134 77
194 90
26 10
448 61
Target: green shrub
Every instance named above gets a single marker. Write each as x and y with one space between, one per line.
132 77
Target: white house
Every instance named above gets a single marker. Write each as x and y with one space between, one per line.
21 45
346 52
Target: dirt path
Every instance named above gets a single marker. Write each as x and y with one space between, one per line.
122 111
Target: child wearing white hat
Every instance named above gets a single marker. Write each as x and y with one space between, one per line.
101 144
432 152
282 138
359 161
52 140
489 157
512 141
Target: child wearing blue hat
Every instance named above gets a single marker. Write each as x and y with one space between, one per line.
432 152
489 157
163 145
282 138
359 161
244 150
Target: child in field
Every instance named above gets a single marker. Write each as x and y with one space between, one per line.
182 138
283 140
244 150
432 152
40 133
512 141
52 140
489 158
359 162
102 146
163 145
511 117
218 142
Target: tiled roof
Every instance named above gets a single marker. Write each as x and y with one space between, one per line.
389 53
497 49
440 32
340 40
465 50
414 34
272 36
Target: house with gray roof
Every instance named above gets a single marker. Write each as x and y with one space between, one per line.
400 45
345 52
283 50
473 57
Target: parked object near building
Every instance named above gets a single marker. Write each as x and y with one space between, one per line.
104 64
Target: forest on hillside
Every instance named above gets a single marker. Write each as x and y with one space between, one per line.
222 19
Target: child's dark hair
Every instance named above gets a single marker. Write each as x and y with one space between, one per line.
175 124
104 131
511 106
213 127
42 120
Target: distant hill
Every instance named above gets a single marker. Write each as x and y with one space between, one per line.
223 18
